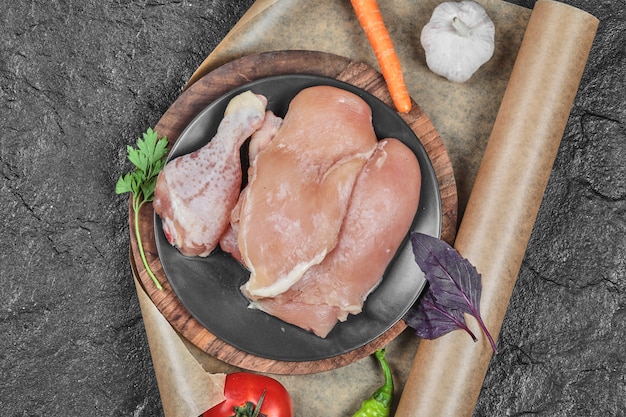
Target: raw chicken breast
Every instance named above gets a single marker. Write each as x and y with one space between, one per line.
381 210
195 193
300 185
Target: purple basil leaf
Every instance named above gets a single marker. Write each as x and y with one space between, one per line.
430 320
454 281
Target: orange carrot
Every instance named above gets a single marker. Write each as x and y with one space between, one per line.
371 20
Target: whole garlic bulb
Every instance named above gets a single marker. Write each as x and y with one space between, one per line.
458 39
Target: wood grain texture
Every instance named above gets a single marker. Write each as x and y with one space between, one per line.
203 92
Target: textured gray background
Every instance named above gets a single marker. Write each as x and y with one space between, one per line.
81 80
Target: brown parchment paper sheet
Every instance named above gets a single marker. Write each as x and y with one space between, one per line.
185 387
464 114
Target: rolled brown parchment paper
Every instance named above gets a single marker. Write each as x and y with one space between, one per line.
447 373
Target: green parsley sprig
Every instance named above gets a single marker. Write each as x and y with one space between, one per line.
148 159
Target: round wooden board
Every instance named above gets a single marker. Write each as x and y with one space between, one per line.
204 91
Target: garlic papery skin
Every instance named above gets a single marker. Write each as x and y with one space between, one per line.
458 39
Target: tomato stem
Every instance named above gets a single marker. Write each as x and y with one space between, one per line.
249 409
257 409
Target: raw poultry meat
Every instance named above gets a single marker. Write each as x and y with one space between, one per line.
258 141
262 137
300 185
380 213
325 209
195 193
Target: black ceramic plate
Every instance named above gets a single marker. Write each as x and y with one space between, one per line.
209 287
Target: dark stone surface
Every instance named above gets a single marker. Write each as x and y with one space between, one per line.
80 80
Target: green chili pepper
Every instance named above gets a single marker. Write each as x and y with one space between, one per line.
379 404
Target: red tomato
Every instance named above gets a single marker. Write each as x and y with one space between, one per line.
241 387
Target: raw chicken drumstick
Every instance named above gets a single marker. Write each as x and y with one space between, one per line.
195 193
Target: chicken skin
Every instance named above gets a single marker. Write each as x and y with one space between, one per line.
195 193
